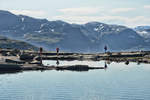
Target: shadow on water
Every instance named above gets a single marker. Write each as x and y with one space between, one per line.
68 85
57 62
105 66
78 68
74 68
127 62
10 72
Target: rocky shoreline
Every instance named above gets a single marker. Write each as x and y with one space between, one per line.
12 59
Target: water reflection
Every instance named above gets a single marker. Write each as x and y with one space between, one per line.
108 62
76 65
75 62
57 62
127 62
138 63
127 83
10 72
105 66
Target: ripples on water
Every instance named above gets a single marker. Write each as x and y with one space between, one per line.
117 82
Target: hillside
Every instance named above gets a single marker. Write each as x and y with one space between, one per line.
90 37
8 43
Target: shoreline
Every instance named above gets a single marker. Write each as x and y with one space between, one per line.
30 60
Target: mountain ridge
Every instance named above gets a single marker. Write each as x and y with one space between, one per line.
89 37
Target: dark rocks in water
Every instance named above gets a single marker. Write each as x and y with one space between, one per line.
10 52
77 68
127 62
95 58
10 72
34 67
14 61
27 57
68 58
15 52
11 67
128 55
54 54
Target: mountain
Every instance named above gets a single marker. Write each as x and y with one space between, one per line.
89 37
114 36
8 43
144 31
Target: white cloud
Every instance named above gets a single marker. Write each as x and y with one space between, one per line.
137 21
121 10
83 19
147 6
33 13
130 22
80 10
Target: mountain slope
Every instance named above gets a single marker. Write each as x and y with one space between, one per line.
8 43
144 31
90 37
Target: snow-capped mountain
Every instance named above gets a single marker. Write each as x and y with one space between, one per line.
90 37
144 31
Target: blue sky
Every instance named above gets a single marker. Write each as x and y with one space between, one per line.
123 12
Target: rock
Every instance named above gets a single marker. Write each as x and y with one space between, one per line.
77 68
14 61
15 52
6 66
27 57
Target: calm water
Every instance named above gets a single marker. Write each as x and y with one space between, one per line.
117 82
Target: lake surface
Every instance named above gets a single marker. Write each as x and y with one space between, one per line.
117 82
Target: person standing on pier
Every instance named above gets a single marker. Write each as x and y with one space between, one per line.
105 48
57 50
41 50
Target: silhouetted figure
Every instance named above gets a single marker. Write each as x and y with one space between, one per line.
57 50
105 48
41 50
105 65
57 62
127 62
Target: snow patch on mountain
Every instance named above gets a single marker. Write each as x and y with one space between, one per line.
22 19
143 31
